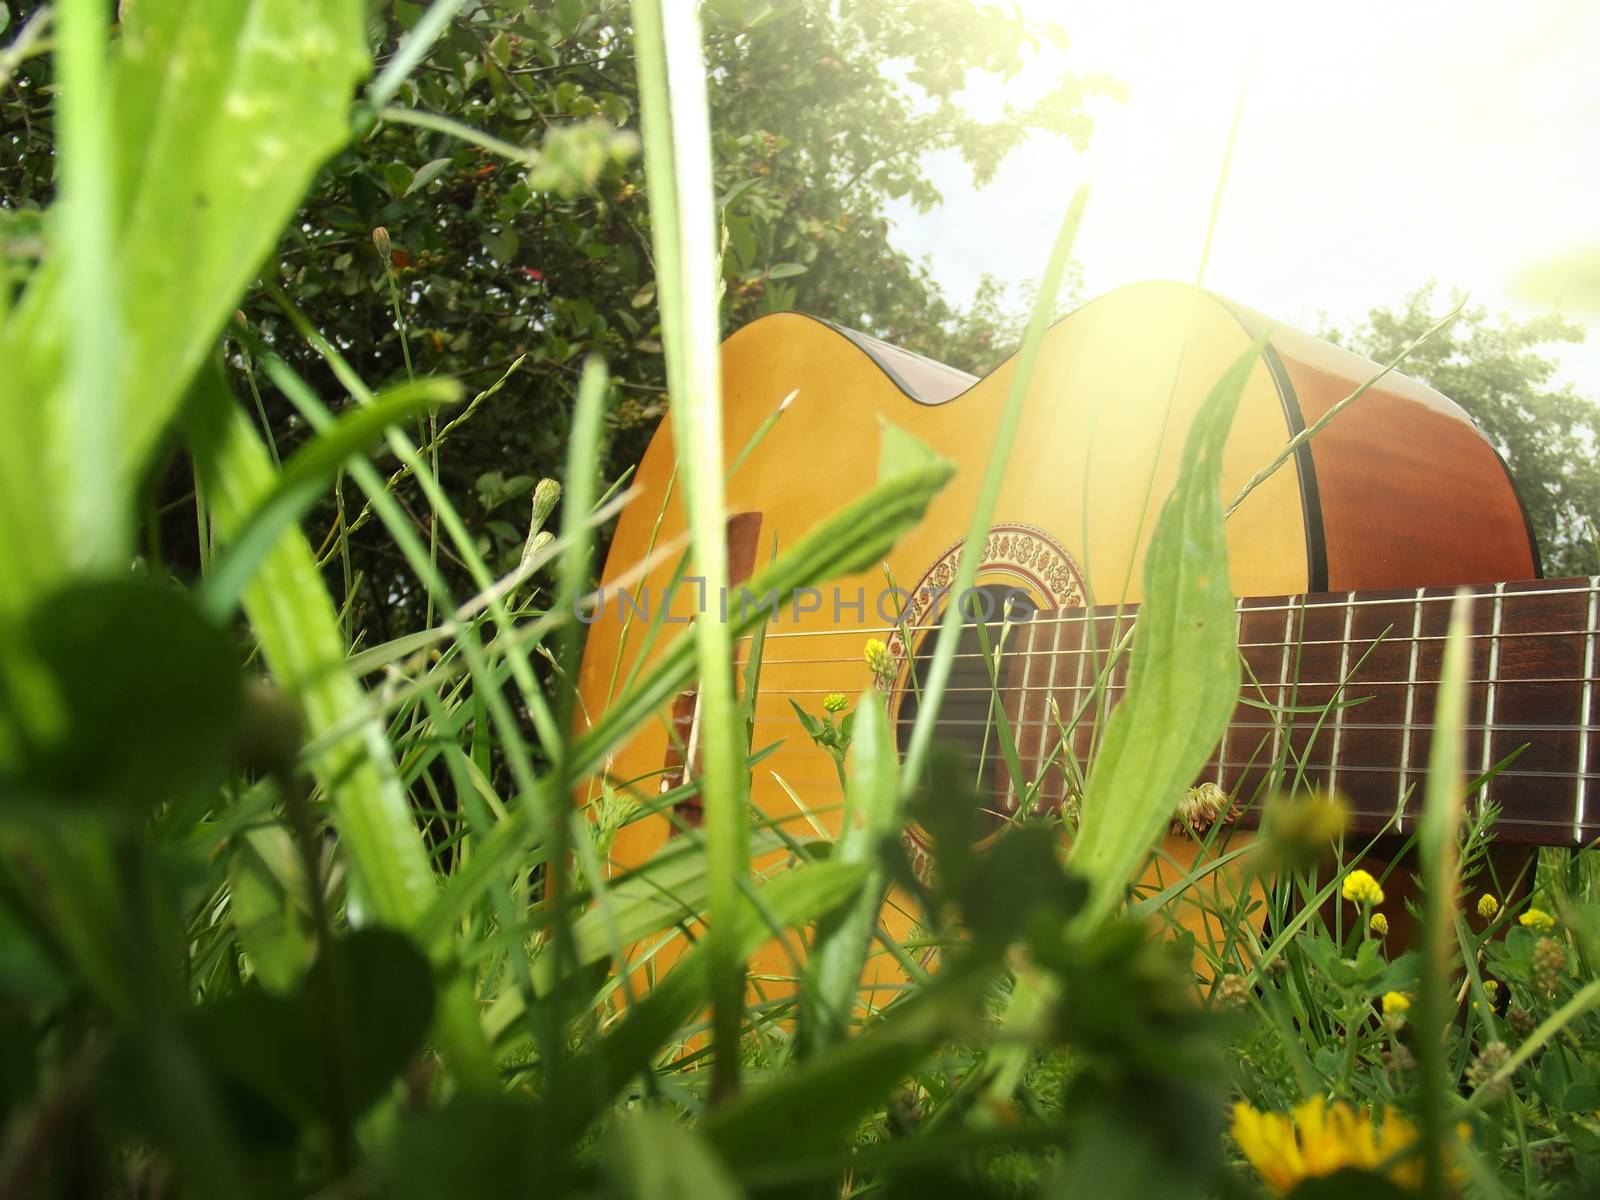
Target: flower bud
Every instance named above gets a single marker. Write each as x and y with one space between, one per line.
545 496
380 241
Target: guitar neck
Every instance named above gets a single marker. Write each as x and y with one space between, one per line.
1339 692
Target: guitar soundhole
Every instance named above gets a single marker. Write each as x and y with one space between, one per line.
969 716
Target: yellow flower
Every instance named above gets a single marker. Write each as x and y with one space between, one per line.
1396 1002
834 702
1537 919
1491 989
879 661
1488 906
1318 1139
1362 888
1379 925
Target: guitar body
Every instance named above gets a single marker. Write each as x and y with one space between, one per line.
1401 490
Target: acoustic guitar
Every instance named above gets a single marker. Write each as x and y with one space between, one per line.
1348 557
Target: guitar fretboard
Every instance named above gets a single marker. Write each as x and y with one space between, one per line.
1339 691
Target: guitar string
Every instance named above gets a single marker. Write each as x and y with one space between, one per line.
1336 601
1121 620
1374 640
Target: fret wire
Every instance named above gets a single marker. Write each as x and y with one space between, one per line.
1049 697
1110 612
1238 637
1283 681
1584 714
1022 704
1078 690
1344 675
1494 672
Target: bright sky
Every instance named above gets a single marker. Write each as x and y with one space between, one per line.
1381 145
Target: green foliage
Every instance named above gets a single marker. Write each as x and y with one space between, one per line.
1502 371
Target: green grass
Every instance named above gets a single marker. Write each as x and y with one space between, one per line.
287 909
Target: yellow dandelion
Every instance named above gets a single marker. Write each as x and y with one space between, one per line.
1319 1139
1362 888
1395 1002
1379 925
1538 920
1488 906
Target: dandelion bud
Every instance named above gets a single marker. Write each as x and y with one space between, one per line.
380 241
545 496
536 544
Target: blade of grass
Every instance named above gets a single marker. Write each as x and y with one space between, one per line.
99 522
1438 848
583 464
677 149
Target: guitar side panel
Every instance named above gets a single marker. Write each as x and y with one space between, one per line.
1411 492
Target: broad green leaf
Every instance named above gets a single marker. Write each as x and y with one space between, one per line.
299 1053
145 697
1183 680
427 173
219 115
